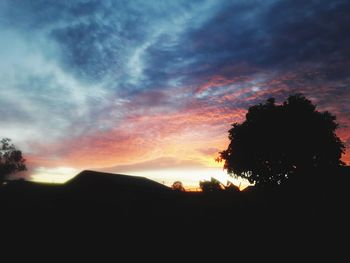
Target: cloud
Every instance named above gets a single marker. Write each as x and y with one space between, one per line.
40 101
99 83
163 163
208 151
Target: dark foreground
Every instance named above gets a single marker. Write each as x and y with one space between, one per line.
120 212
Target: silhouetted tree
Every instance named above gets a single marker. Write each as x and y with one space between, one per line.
276 142
211 186
177 186
11 160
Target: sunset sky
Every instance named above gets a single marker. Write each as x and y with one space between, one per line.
151 87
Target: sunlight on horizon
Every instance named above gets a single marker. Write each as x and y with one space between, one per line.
58 175
189 177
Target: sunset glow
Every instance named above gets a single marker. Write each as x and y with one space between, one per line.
151 89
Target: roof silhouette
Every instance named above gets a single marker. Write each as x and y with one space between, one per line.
97 180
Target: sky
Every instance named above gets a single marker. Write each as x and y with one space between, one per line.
151 87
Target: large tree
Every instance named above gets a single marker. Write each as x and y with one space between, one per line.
11 160
278 142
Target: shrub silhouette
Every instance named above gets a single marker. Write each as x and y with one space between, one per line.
178 186
277 142
232 187
11 160
210 186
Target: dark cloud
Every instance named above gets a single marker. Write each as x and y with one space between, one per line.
275 33
97 38
246 38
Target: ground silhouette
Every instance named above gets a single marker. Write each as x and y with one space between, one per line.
136 213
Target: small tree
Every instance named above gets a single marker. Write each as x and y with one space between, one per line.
211 186
278 142
177 186
11 160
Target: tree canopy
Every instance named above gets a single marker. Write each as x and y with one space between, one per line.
276 142
11 160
